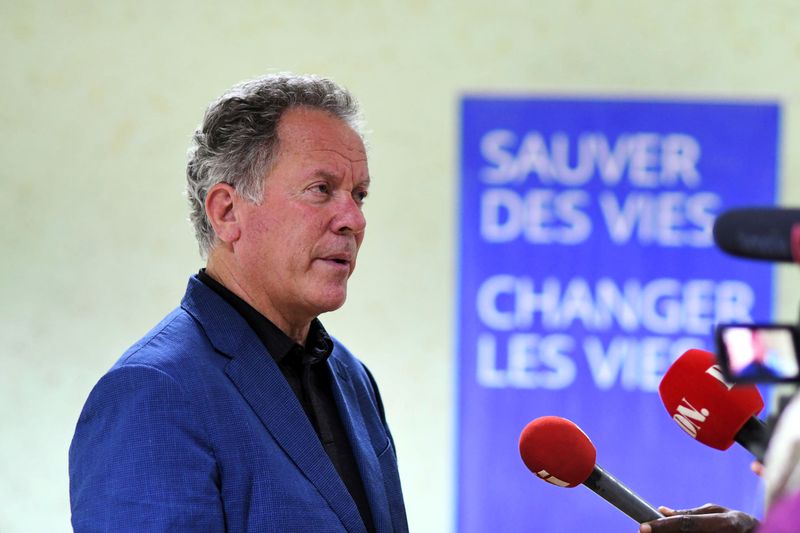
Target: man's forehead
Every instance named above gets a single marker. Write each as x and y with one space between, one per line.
325 160
311 125
328 139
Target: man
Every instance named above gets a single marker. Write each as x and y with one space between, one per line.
238 412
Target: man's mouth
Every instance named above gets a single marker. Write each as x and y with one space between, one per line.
343 259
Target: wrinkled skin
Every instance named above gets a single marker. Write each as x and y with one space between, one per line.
709 518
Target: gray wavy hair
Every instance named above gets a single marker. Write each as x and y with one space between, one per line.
237 142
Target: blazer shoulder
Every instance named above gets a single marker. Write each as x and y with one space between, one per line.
141 457
174 355
175 344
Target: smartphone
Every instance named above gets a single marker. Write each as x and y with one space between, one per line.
759 353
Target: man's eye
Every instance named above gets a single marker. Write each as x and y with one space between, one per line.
321 187
360 196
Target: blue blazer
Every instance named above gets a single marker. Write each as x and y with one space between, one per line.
196 429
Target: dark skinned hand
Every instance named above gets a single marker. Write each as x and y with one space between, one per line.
709 518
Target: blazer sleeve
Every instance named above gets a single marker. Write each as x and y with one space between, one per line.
141 459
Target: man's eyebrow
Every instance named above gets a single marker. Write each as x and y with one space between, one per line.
330 176
335 177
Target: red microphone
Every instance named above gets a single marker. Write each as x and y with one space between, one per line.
559 452
711 410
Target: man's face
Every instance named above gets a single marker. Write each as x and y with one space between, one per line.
298 247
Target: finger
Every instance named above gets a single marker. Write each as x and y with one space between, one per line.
671 524
708 508
703 522
682 523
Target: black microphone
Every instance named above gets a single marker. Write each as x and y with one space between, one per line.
614 492
754 437
559 452
769 234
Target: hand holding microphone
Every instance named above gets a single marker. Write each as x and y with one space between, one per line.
699 400
557 451
717 414
709 518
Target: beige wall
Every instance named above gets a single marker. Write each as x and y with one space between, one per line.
97 103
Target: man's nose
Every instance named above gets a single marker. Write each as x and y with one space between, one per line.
349 217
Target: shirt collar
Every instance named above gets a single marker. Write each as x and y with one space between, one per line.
318 346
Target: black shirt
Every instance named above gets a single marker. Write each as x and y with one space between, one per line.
306 371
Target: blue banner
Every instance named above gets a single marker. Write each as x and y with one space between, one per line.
587 265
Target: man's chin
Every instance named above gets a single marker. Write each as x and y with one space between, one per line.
332 301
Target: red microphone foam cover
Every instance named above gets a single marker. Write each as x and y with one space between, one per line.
700 401
557 451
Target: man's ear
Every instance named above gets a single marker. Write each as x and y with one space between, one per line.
221 209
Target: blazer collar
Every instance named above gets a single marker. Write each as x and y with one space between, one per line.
363 449
261 383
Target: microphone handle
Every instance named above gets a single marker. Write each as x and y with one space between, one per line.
607 487
754 436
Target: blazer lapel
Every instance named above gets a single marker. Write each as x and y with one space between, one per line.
261 383
363 449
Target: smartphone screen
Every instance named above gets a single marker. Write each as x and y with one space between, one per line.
758 353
